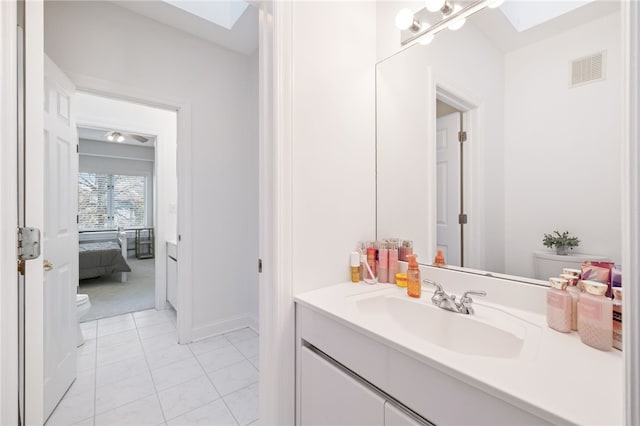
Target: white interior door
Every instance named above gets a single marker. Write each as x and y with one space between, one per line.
60 235
448 187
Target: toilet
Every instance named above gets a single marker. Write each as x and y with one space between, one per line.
82 307
547 264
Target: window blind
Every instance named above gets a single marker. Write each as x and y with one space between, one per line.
111 201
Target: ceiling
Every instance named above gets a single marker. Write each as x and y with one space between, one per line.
236 28
100 136
501 31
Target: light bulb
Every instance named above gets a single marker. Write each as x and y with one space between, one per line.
110 137
404 19
120 138
495 3
434 5
457 23
426 39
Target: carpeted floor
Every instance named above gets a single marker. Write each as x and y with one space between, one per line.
110 297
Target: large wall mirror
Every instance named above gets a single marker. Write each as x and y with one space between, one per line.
537 87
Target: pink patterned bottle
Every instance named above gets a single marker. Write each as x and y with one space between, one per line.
383 262
393 260
595 316
559 305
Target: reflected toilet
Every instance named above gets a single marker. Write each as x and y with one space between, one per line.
83 304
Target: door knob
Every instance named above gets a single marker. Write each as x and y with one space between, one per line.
47 265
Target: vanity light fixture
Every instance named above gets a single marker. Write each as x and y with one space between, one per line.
414 26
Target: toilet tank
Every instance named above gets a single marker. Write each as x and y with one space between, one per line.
547 264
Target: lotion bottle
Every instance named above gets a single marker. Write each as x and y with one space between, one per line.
414 288
383 262
393 261
559 304
595 316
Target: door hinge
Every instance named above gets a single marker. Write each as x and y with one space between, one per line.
77 219
77 148
259 266
462 136
462 219
28 246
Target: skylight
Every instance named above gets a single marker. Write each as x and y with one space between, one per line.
528 14
224 13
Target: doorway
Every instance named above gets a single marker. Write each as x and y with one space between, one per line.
457 179
116 183
127 186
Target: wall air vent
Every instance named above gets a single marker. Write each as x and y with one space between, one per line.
588 69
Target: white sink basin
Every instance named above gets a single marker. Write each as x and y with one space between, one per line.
489 332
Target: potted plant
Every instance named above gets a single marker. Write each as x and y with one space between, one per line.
562 242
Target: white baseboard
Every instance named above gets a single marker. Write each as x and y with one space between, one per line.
225 326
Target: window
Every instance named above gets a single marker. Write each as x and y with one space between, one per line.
111 201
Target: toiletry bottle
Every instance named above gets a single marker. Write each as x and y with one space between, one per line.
595 316
574 291
371 261
617 318
355 267
439 259
559 305
414 288
406 248
383 262
616 276
362 249
393 260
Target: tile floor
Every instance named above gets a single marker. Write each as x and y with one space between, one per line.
131 371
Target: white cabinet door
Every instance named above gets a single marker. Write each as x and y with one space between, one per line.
329 396
394 416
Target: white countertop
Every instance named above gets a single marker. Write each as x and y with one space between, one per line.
556 377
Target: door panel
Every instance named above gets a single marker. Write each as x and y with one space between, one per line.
448 187
60 236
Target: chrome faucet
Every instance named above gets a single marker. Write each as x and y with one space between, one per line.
443 300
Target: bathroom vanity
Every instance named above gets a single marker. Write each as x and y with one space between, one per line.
368 354
172 274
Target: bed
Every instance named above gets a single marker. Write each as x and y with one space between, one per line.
104 258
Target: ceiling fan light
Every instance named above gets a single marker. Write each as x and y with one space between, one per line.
120 138
110 137
434 5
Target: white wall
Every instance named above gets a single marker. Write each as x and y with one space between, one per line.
564 138
105 42
333 179
467 64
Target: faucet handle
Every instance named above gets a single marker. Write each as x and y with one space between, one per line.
439 288
465 296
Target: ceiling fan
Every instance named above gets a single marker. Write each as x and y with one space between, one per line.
120 136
